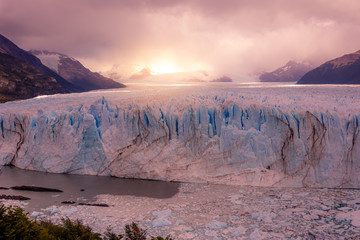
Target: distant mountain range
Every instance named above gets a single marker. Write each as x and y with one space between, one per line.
28 74
291 72
342 70
74 72
134 73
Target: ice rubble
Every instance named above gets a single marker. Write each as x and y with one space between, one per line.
211 211
264 136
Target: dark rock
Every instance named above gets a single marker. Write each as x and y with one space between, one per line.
95 204
68 202
35 189
82 190
4 188
311 235
14 197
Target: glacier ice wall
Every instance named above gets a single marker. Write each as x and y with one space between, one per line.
225 143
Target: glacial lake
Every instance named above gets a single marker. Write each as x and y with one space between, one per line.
78 188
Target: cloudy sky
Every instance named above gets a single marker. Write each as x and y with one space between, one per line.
233 37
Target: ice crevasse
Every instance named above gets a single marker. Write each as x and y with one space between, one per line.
219 141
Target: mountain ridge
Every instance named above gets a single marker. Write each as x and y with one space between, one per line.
20 80
73 71
12 49
291 72
341 70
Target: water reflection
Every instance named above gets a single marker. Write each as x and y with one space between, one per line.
73 184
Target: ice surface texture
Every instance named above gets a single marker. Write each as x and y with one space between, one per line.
259 136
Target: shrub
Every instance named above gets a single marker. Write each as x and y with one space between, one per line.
112 236
132 232
71 230
161 238
15 224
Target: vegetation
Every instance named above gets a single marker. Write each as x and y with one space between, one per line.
15 224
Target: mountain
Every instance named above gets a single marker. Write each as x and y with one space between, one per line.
11 49
144 73
222 79
291 72
122 71
74 72
20 80
342 70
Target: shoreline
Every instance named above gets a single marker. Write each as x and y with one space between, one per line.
206 211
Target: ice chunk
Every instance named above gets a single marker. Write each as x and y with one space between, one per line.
36 214
162 214
217 224
68 211
160 222
53 210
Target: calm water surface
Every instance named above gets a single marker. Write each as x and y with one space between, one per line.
72 186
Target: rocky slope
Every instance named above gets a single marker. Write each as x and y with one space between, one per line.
74 72
342 70
291 72
8 47
20 80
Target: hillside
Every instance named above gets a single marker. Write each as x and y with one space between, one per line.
20 80
74 72
291 72
8 47
342 70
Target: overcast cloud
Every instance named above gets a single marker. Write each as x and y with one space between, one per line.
233 37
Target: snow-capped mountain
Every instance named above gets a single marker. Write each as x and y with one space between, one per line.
342 70
74 72
291 72
11 49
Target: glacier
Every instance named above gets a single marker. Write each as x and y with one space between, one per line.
293 136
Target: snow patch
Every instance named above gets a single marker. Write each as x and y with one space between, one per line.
50 60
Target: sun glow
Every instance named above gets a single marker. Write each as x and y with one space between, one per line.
163 68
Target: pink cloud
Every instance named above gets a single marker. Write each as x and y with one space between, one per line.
231 37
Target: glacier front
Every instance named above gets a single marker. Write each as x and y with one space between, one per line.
300 136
